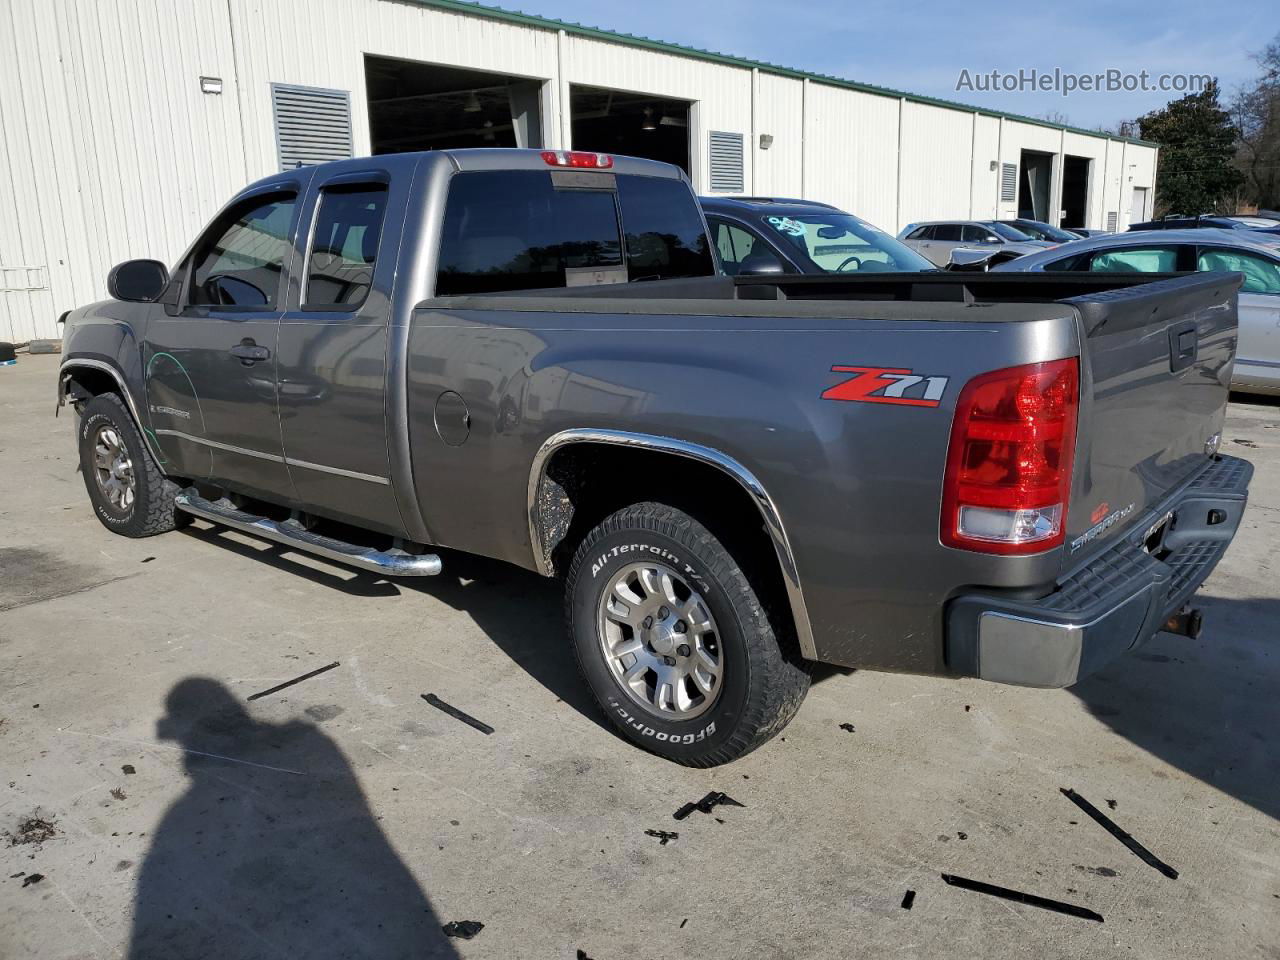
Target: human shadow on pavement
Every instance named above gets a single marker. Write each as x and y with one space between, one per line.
1209 706
272 851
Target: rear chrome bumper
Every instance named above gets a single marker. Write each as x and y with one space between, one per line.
1118 601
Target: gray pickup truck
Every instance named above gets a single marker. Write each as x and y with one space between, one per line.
532 356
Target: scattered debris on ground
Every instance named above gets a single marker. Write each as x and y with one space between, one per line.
1098 871
128 770
968 707
457 714
1111 804
713 799
1137 849
683 922
33 830
462 929
1017 896
908 899
1245 443
961 835
147 559
663 836
118 793
33 878
289 683
582 955
848 727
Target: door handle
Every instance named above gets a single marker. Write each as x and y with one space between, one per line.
249 352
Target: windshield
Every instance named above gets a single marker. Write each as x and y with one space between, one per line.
841 243
1009 233
1044 231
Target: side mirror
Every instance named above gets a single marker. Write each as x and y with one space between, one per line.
969 259
760 264
138 281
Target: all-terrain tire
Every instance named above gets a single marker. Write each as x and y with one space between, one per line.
762 683
152 510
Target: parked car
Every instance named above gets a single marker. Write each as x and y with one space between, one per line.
1038 230
531 356
936 239
762 235
1190 223
1091 232
1257 366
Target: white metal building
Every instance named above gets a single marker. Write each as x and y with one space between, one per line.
125 124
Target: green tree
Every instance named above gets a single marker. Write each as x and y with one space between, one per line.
1256 112
1197 146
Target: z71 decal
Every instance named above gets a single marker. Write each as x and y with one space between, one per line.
887 385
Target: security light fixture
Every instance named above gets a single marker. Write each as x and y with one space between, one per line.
211 85
766 141
648 120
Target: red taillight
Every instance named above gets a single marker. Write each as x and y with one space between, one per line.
1008 473
577 158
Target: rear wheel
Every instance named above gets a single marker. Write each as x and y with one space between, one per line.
129 493
674 641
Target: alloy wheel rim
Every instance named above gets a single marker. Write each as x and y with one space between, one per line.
113 468
660 641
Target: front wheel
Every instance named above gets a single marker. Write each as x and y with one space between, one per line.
129 493
673 640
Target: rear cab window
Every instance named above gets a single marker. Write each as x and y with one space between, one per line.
543 229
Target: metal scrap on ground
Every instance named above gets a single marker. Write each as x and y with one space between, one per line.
663 836
1143 854
908 899
1030 899
457 714
289 683
462 929
713 799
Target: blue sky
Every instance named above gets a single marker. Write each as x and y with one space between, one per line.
921 47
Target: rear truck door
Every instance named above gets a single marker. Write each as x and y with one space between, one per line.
332 358
1154 377
1258 355
210 365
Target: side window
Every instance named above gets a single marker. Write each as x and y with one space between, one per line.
1136 260
344 245
946 231
239 262
1260 274
733 243
514 230
919 233
972 233
664 231
1079 262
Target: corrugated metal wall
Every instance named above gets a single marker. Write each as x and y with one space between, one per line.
111 151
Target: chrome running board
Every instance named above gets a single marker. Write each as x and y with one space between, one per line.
290 533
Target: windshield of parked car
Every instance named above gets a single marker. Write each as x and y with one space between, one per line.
841 243
1043 231
1009 233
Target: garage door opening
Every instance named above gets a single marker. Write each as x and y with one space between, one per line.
1075 191
425 106
634 124
1033 186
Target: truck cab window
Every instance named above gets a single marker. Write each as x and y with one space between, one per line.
665 234
344 246
514 230
240 263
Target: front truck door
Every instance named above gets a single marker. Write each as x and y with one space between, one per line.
211 366
334 341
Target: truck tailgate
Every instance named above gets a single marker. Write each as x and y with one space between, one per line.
1155 372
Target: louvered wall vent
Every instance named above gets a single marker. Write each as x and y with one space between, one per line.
313 125
1008 182
1112 217
726 162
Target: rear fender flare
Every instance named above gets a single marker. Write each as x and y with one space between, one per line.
707 455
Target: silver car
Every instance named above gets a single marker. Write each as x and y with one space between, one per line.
936 239
1257 368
